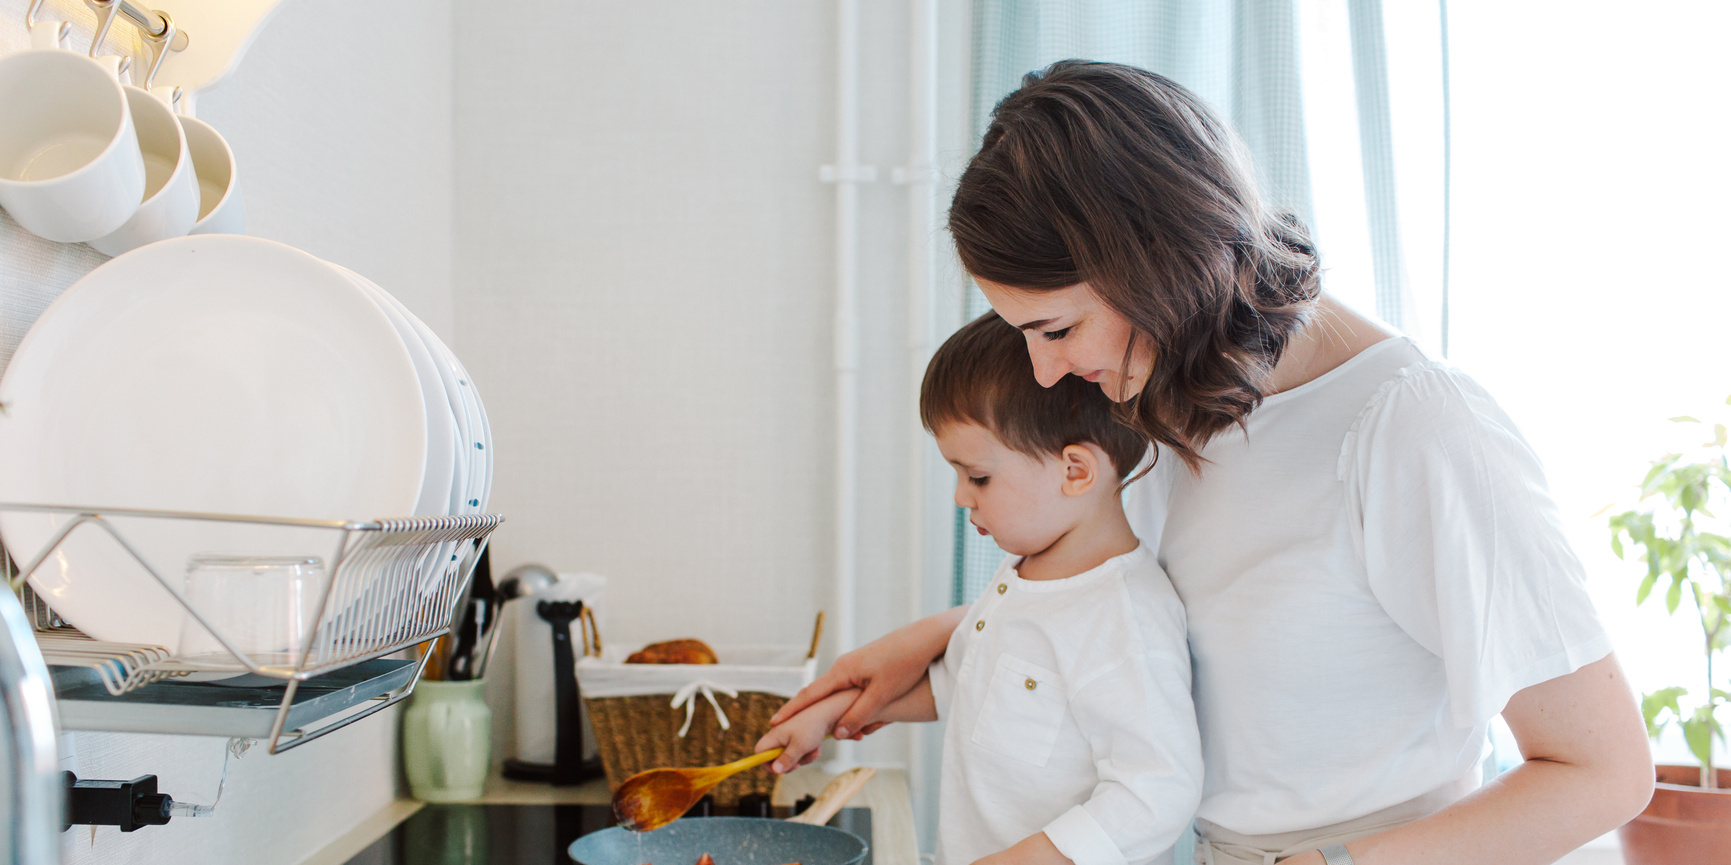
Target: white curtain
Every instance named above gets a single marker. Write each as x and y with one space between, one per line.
1340 102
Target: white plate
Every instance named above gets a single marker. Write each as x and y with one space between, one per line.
437 482
438 559
468 468
486 439
206 373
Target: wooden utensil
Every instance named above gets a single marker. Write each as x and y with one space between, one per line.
654 798
838 792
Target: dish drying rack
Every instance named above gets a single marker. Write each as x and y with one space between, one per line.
390 585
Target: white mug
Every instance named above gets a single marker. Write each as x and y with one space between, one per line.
219 210
171 195
70 167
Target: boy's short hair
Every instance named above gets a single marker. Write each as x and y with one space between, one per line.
982 375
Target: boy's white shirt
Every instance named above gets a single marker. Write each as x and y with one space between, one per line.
1069 712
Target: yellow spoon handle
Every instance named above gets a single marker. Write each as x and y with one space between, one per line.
752 761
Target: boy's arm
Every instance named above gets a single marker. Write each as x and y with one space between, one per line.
803 733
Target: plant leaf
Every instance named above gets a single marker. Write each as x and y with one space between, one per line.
1652 704
1698 732
1719 436
1646 588
1674 595
1656 474
1683 418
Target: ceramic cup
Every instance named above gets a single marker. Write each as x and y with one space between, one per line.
447 740
171 194
70 167
219 209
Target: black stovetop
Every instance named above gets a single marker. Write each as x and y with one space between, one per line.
520 834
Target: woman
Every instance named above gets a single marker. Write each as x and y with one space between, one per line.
1370 563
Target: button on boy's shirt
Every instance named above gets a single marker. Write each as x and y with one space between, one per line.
1069 712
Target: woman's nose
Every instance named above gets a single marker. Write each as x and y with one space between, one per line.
1049 363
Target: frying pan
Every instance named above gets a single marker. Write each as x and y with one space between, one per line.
730 840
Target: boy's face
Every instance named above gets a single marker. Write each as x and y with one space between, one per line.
1017 499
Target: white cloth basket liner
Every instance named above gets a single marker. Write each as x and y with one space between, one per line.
778 670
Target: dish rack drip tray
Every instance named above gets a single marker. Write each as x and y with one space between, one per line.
390 586
245 705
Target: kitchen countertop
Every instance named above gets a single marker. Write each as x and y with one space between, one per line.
886 794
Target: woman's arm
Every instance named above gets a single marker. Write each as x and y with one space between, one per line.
882 670
1587 770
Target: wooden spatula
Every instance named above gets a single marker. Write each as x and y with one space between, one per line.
654 798
836 793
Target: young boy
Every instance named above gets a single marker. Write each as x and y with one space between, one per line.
1071 733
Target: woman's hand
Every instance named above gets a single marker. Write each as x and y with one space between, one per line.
882 670
1036 849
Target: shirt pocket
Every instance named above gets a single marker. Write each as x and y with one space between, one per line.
1022 712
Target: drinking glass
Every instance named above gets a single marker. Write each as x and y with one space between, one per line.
264 605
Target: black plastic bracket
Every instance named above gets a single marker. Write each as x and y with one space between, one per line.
131 805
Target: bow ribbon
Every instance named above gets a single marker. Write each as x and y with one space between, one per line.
687 697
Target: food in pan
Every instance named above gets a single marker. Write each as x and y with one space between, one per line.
706 860
674 652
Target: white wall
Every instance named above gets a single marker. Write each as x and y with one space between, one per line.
644 279
340 117
613 212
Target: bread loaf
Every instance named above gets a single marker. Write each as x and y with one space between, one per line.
674 652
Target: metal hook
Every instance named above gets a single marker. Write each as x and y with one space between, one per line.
105 12
160 45
45 40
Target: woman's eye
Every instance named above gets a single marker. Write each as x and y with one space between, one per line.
979 481
1056 334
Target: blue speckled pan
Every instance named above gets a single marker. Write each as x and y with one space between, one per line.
730 840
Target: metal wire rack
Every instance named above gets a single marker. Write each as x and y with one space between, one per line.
390 585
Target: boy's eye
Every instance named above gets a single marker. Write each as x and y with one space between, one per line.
979 481
1056 334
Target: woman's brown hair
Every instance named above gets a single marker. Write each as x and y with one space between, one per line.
1120 178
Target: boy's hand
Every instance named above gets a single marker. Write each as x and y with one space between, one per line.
804 732
882 671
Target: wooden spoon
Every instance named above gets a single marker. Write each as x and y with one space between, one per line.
654 798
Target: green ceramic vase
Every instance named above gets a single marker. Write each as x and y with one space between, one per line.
447 740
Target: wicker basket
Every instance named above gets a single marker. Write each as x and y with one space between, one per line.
642 731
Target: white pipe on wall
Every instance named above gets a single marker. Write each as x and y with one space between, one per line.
921 179
847 174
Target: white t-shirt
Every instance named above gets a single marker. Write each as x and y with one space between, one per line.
1069 711
1369 575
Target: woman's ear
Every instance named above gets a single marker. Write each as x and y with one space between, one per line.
1081 469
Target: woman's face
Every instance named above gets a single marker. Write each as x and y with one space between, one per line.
1070 331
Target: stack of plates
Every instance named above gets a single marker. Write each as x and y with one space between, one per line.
229 375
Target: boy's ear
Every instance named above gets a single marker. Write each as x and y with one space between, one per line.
1081 469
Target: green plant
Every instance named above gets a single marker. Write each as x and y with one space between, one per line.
1688 549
